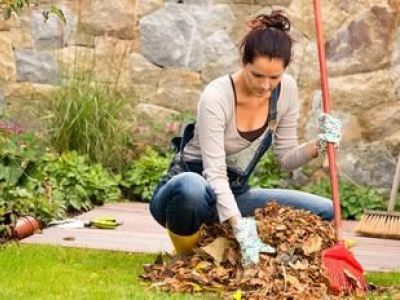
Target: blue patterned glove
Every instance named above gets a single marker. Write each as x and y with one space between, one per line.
330 131
250 244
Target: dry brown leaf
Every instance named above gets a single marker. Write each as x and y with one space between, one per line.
312 244
232 256
221 273
216 249
292 280
281 227
257 282
352 279
299 265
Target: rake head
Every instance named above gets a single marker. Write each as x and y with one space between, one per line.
344 273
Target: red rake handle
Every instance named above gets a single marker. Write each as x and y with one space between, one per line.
326 108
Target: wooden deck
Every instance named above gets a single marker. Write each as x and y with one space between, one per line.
140 233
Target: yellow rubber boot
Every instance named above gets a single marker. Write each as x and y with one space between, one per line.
184 244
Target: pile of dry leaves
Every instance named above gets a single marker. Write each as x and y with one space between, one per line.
294 273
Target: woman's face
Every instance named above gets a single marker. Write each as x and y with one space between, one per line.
263 75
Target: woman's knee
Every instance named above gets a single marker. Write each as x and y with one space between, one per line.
188 186
186 207
179 194
184 203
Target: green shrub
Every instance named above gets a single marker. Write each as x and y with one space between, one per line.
31 200
18 155
86 116
268 173
76 183
354 199
20 191
45 185
59 185
143 175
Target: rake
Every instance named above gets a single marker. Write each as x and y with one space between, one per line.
343 271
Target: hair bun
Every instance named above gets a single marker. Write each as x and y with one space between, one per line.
276 19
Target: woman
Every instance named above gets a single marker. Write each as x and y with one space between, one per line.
239 117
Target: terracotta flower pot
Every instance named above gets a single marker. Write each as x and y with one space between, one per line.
25 226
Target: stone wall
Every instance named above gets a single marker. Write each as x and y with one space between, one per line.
163 52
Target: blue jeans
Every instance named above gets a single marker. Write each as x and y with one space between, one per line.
187 201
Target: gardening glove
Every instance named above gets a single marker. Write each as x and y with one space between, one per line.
330 131
251 246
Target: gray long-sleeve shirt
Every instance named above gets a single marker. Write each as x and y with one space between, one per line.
218 144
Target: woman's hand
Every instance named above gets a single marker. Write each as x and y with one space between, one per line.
330 131
245 231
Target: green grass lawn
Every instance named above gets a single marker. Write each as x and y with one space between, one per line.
47 272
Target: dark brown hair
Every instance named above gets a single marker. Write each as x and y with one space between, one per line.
268 36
